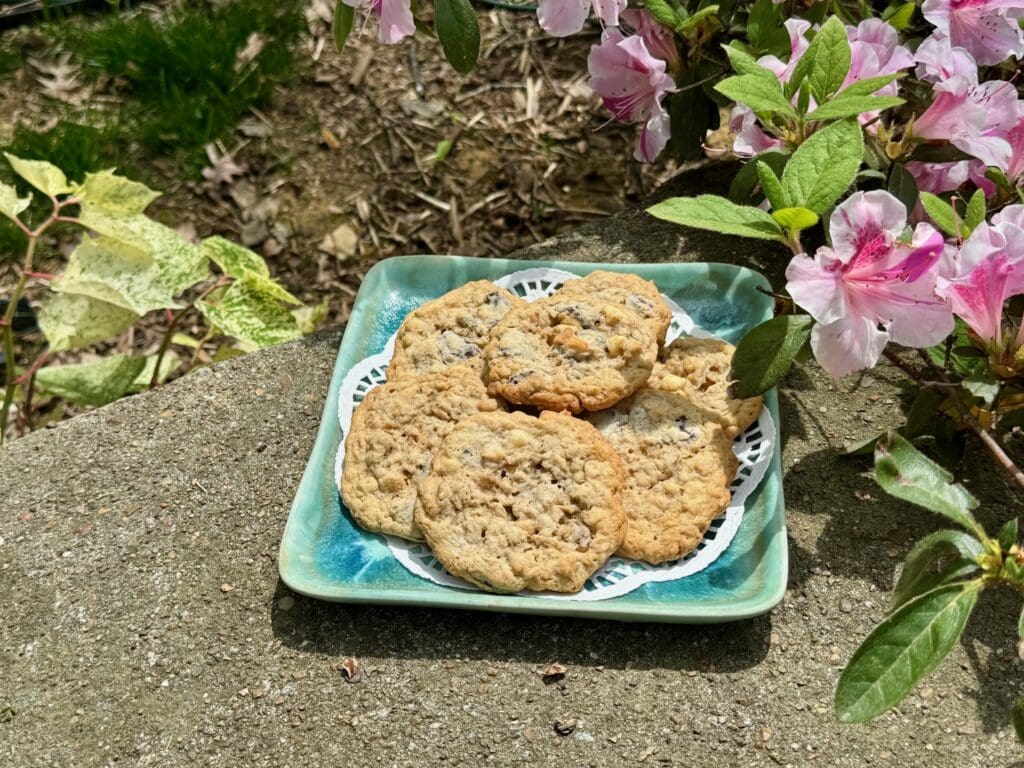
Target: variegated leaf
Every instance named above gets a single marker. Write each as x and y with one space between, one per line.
98 383
106 192
71 321
115 272
10 204
242 264
44 176
251 316
168 366
309 316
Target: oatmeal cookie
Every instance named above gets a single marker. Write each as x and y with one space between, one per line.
631 291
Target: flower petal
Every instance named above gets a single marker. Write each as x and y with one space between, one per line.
864 223
816 287
562 18
850 344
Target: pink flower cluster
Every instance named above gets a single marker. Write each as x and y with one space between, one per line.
881 282
629 73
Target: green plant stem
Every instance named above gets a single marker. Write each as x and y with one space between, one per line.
8 331
165 342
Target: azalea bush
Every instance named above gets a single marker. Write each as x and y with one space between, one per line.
127 266
883 149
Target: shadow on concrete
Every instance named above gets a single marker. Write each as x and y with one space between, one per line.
334 629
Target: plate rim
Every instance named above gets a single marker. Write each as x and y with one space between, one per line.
768 595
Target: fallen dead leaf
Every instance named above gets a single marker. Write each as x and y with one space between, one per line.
342 242
350 670
226 587
565 727
553 672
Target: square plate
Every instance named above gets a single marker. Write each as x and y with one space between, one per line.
325 555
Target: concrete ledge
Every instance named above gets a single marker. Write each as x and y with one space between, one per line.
144 622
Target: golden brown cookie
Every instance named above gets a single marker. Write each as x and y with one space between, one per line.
679 466
517 502
449 330
629 290
698 369
569 352
395 431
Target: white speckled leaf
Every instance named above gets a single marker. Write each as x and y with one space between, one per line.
106 192
181 264
71 321
310 316
168 366
242 264
10 204
46 177
252 316
112 271
98 383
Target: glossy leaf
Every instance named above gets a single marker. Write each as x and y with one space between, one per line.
98 383
903 186
906 473
344 21
459 33
759 93
72 321
982 386
765 29
181 264
954 552
741 189
44 176
765 354
901 650
1008 534
10 204
824 166
251 316
826 61
868 86
975 210
718 215
114 272
899 17
106 192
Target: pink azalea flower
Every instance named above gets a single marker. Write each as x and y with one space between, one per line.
1014 168
562 18
987 29
798 43
987 271
938 59
945 177
874 51
871 286
632 83
395 17
974 117
749 140
659 41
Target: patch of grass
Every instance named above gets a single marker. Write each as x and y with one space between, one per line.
184 84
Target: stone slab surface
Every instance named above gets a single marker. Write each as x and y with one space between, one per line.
144 624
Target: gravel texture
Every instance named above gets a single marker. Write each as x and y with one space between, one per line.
144 623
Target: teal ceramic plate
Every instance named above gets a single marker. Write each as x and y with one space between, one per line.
325 555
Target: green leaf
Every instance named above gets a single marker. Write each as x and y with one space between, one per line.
1017 718
903 649
10 204
850 106
906 473
741 189
691 114
168 366
718 215
824 166
72 321
251 316
765 29
998 177
942 214
1008 534
309 317
765 353
868 86
459 33
662 12
759 93
795 219
114 272
1020 625
690 22
44 176
181 264
826 61
744 63
226 352
975 210
96 383
106 192
955 552
344 20
772 187
982 386
899 16
903 186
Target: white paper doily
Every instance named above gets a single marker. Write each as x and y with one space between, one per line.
618 576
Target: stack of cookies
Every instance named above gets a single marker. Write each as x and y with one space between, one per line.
529 442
